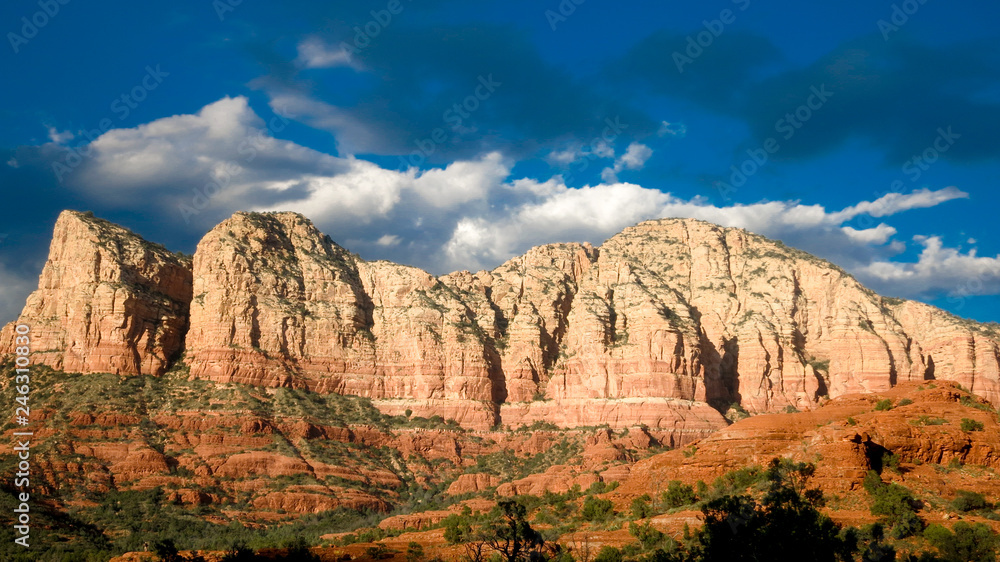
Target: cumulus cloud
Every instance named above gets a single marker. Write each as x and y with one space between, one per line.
471 213
938 270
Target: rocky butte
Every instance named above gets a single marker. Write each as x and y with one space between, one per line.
668 324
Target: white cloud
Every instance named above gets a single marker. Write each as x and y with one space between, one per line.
462 181
59 138
471 213
878 235
939 270
678 130
388 240
893 203
635 158
353 135
314 53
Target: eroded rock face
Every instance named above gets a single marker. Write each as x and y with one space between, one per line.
277 303
107 301
664 325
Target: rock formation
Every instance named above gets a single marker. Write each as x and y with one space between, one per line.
107 301
664 325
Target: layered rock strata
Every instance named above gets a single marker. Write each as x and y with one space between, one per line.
665 325
107 301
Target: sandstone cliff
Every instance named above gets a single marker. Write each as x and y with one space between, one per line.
665 325
107 301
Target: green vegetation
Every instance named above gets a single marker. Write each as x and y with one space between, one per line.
927 420
971 425
884 405
895 505
597 509
969 501
963 543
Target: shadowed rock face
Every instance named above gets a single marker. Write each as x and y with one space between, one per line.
107 301
661 321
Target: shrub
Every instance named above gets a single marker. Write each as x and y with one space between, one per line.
904 402
968 501
650 538
895 504
414 551
597 509
890 461
609 554
677 495
964 542
378 552
641 507
971 425
884 405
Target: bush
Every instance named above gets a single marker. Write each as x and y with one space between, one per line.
414 552
597 509
904 402
457 529
641 507
890 461
741 529
378 552
896 506
968 501
297 550
971 425
884 405
677 495
964 543
649 538
609 554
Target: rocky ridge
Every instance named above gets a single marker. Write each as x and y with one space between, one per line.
664 325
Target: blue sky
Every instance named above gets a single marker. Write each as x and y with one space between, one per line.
453 135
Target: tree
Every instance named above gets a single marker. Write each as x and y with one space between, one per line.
509 533
677 494
597 509
895 504
239 552
964 543
782 525
166 550
641 507
414 552
297 550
